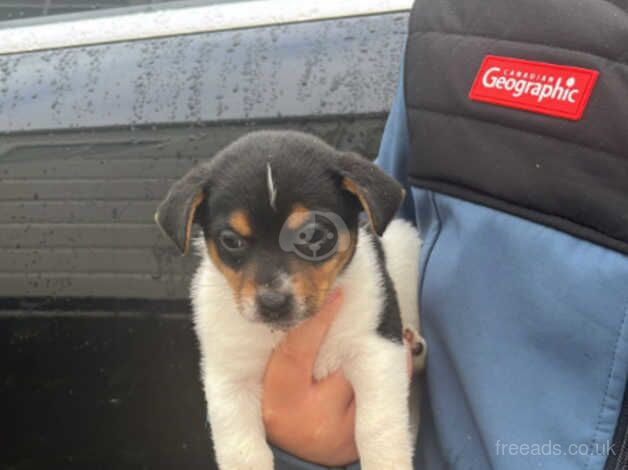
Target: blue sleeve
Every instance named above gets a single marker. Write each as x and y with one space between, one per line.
394 149
284 461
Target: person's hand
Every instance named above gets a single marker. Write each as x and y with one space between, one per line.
312 420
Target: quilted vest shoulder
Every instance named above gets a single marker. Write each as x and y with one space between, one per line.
568 174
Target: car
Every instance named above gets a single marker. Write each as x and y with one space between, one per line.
100 111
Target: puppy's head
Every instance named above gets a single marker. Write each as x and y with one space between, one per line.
279 213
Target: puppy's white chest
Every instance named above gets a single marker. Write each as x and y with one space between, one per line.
359 316
343 341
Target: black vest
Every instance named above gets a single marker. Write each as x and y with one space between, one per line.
568 174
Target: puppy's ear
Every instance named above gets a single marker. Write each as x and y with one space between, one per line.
379 194
175 214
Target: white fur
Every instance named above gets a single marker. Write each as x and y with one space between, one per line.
234 353
400 239
272 189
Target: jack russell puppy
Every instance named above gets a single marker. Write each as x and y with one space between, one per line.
279 213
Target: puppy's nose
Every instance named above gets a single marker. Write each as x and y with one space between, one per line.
273 301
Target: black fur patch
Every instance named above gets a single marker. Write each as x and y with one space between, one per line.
390 326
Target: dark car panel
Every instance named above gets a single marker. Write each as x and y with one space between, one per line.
76 210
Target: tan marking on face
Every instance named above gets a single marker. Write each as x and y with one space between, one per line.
233 278
299 215
249 289
311 283
239 221
188 227
241 282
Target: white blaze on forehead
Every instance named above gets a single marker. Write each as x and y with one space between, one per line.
272 190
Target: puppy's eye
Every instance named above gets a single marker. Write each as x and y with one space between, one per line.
232 242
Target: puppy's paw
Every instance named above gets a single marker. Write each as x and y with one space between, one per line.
388 464
261 459
418 347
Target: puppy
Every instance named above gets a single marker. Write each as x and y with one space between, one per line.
279 213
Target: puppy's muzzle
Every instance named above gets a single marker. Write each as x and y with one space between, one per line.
274 305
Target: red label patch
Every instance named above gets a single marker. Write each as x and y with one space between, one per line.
555 90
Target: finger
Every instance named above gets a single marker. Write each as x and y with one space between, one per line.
346 430
302 343
335 389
